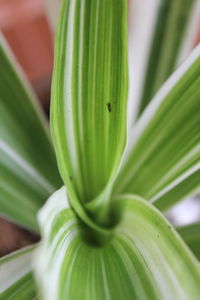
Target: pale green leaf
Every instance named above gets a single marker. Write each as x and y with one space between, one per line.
16 278
191 235
28 171
168 44
163 160
88 109
144 258
183 187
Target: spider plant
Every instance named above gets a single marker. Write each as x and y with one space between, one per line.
103 232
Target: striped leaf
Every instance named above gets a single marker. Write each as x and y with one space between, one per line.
191 235
161 35
16 276
144 258
163 160
172 40
88 109
28 172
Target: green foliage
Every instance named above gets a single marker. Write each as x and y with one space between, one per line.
164 151
170 26
27 163
137 262
89 96
16 276
191 235
102 235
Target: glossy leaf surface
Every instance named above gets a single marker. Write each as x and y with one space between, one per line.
144 259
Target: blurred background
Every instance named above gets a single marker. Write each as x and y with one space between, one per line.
25 26
28 26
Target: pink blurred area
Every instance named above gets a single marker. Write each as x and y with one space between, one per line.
198 37
25 26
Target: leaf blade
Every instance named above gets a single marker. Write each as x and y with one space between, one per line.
145 259
191 235
159 160
28 167
16 275
170 30
88 109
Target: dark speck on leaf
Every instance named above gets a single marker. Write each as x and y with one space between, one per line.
109 106
70 177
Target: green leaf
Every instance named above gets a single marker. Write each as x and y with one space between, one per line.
185 186
28 168
191 235
162 164
16 276
89 97
171 29
144 258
